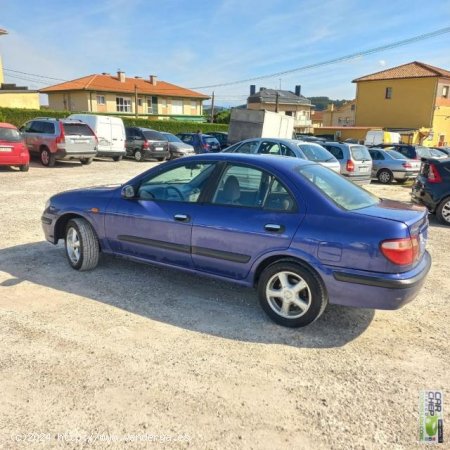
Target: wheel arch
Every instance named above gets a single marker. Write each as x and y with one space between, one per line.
273 259
63 220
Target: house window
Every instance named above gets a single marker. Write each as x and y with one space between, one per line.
177 106
139 101
149 105
123 104
101 100
193 104
352 107
388 93
445 91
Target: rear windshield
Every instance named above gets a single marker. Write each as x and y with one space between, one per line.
77 129
171 138
10 134
315 152
211 140
154 136
423 151
360 153
396 155
344 193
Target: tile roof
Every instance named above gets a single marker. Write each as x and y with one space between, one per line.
414 69
109 83
284 97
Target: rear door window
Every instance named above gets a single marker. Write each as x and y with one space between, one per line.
335 151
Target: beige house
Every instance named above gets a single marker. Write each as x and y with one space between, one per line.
344 116
12 96
126 96
285 102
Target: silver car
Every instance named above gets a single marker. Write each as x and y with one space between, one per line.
389 165
287 147
355 160
177 147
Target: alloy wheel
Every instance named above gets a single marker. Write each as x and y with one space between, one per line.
288 295
73 245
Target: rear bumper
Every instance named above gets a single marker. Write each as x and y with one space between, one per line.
374 290
14 160
64 154
403 175
155 154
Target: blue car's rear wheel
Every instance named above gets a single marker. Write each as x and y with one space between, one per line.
82 247
291 294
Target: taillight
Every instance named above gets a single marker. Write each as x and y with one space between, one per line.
61 139
205 146
350 166
433 175
145 144
407 165
401 251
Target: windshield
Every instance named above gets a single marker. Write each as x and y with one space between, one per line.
154 136
10 134
360 153
211 140
344 193
315 152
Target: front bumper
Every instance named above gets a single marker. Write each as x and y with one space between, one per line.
48 226
374 290
110 154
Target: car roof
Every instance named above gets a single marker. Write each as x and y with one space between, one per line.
265 161
7 125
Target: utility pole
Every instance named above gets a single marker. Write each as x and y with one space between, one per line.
212 108
135 101
277 99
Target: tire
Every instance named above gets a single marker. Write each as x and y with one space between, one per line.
385 176
443 211
47 158
117 158
138 156
81 243
160 159
86 161
284 308
24 168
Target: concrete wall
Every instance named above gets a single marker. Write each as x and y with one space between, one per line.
26 100
411 105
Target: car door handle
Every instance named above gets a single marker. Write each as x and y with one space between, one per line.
273 228
181 217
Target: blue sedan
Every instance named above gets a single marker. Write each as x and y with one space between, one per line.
300 233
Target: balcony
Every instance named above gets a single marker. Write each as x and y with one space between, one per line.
302 122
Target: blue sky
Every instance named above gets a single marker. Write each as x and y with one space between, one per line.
199 43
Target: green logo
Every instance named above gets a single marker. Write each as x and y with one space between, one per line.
431 425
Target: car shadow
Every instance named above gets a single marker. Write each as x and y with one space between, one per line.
184 300
434 222
35 164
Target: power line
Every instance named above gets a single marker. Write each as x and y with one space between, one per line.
396 44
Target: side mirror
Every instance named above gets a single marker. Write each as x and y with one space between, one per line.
128 192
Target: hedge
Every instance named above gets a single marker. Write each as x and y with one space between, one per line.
18 117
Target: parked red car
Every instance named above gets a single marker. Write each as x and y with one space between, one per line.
13 151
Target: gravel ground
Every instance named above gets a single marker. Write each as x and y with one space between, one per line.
136 352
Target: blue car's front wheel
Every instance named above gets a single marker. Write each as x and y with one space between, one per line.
291 294
82 247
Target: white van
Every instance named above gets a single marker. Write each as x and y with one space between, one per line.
110 133
375 137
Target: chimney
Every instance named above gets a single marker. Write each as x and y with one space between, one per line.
121 76
153 79
252 89
298 90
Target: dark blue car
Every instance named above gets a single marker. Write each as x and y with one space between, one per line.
299 232
202 143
